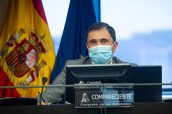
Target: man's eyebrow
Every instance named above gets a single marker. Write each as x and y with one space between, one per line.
103 39
92 40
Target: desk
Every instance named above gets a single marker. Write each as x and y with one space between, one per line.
139 108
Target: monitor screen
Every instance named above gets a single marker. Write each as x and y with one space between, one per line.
147 74
116 73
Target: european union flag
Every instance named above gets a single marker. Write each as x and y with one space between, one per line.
81 15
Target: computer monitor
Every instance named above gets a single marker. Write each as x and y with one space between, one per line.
117 73
147 74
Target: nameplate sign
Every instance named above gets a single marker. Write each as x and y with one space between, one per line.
121 96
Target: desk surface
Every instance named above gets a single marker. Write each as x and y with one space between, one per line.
139 108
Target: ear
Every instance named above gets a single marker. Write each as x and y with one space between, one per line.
87 47
114 47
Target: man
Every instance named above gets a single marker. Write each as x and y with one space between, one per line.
101 44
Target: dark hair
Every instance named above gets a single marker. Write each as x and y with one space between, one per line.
100 25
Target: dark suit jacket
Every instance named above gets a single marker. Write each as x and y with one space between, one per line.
52 95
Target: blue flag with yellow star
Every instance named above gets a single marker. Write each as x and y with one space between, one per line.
81 15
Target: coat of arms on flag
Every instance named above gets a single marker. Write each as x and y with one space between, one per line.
25 55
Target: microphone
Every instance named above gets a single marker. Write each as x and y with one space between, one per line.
44 80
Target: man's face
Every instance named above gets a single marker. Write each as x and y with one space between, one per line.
100 37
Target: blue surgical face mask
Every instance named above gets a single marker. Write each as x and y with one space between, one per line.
101 54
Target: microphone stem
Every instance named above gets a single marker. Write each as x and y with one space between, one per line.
41 97
44 80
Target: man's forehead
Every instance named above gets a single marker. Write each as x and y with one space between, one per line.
102 33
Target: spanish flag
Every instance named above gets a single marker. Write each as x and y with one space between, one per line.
26 48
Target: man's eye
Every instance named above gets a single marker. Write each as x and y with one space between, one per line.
93 42
104 41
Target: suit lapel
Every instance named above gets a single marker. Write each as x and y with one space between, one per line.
87 61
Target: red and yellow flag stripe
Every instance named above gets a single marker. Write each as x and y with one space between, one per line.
26 48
